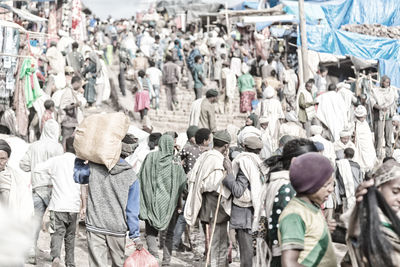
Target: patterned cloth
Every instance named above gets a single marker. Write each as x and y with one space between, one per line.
245 101
142 100
189 155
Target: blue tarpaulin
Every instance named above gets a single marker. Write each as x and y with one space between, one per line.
385 12
313 11
245 5
328 38
338 42
392 69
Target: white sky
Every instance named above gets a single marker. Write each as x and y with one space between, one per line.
124 8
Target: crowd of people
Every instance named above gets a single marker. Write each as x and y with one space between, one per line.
313 163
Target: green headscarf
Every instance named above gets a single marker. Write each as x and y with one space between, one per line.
161 183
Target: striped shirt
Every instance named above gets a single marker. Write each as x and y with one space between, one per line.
302 226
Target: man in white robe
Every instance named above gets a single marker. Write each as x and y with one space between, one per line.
292 126
329 150
271 108
365 150
348 98
332 111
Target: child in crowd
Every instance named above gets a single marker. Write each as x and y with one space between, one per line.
303 232
48 113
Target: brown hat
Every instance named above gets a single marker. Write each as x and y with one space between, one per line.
253 142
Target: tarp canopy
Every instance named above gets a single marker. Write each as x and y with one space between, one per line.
313 11
328 38
24 14
245 5
385 12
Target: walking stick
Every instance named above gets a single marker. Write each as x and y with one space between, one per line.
383 133
213 229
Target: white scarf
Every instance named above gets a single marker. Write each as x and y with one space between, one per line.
344 168
365 149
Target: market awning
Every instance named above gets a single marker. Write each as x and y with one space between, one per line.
24 14
5 23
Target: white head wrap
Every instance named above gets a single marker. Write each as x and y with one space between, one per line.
315 129
396 118
360 111
345 133
269 92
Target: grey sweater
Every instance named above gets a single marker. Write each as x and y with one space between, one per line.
108 197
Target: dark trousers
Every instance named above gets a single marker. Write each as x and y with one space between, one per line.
179 230
64 226
170 91
198 92
167 236
245 241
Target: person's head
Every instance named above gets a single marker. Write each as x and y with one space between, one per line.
49 105
360 113
5 152
253 144
153 140
198 59
396 120
69 145
363 98
323 71
332 87
349 153
309 86
176 42
75 45
141 73
53 44
203 137
191 132
129 144
212 95
193 44
387 180
291 148
221 140
385 81
273 73
316 130
168 58
345 137
157 38
252 120
311 177
152 63
264 121
76 83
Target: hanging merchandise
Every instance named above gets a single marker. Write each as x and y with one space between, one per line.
9 45
31 83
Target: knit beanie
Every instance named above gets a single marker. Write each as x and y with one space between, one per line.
309 172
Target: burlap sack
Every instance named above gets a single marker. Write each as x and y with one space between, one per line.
98 138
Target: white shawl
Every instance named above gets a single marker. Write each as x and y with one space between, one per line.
206 176
332 112
195 111
365 149
344 168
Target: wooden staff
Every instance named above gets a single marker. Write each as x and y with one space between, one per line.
213 229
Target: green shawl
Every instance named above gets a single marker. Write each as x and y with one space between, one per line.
161 183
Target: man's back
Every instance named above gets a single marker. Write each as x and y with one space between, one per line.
66 193
207 116
170 73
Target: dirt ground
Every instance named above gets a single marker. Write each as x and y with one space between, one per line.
179 259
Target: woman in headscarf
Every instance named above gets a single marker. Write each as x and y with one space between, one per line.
162 180
373 235
275 195
143 95
91 72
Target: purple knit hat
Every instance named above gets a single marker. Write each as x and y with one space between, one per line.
309 172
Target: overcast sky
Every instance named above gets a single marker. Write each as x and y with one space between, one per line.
124 8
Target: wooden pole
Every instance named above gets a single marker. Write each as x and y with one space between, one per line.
228 25
303 37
